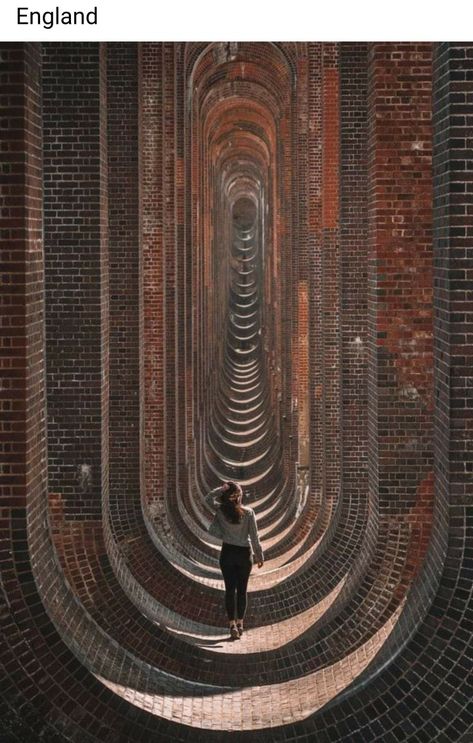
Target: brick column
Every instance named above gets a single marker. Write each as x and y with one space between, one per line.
330 273
400 288
353 290
169 251
183 277
300 349
315 264
23 453
152 235
75 214
122 124
453 105
23 475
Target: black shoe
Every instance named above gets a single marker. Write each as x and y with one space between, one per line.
234 634
239 629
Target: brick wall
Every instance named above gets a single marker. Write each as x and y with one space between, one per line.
124 267
39 674
329 286
76 258
400 391
152 215
358 627
353 294
23 419
23 476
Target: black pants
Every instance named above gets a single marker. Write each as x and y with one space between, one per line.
235 564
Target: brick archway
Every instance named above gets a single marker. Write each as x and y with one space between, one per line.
235 260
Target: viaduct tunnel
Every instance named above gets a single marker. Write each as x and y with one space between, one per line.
251 262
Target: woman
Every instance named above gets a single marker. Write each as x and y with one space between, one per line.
236 526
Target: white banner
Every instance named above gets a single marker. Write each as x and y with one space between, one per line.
236 20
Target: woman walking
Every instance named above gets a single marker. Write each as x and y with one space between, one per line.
236 526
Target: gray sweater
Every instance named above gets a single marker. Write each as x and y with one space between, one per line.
243 534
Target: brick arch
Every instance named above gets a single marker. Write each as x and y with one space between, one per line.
371 563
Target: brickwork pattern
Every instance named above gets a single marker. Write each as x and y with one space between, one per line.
124 267
76 264
400 385
281 233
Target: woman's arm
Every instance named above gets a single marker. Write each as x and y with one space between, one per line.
213 498
255 543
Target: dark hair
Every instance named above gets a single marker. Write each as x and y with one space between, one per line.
231 503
